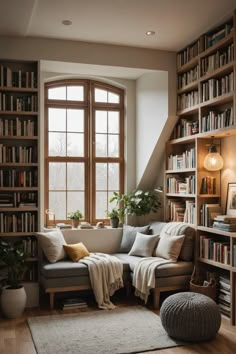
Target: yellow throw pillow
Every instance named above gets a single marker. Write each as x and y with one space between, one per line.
76 251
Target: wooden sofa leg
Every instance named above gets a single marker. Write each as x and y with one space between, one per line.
156 298
51 297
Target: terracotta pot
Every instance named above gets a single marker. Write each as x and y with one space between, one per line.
75 223
13 301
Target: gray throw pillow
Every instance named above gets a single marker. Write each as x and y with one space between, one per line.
144 245
129 235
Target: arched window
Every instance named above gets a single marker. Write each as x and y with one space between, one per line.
84 147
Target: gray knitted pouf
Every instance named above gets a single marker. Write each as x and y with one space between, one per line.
190 316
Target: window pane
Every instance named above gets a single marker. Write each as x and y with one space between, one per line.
75 120
75 144
75 176
101 176
57 176
56 119
101 205
113 97
100 95
101 121
57 202
113 122
113 204
75 201
113 145
57 144
57 93
101 145
75 93
113 176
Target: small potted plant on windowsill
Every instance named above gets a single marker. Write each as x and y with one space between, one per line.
75 217
13 295
113 215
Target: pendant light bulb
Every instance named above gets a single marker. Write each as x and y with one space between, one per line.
213 160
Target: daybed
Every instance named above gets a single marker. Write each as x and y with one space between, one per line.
65 275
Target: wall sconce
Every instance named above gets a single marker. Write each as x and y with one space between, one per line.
213 160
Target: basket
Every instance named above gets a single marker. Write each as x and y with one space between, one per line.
196 286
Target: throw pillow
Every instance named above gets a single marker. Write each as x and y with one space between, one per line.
143 245
129 235
76 251
169 247
52 245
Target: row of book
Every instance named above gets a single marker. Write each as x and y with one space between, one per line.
187 100
73 303
19 78
17 178
188 77
215 250
18 222
216 35
225 223
185 160
17 127
31 273
208 185
216 120
12 103
208 213
188 53
19 154
217 60
178 210
184 127
224 295
18 199
178 184
216 87
30 246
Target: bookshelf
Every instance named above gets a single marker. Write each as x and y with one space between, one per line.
19 158
206 106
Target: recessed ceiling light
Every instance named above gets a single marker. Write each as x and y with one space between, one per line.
150 33
66 22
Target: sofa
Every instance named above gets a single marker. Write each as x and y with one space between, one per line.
63 275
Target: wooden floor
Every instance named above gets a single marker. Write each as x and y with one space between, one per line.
15 337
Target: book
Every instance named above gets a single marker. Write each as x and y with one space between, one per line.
72 303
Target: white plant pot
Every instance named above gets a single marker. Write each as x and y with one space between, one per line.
13 301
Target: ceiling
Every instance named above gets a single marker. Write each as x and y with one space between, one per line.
119 22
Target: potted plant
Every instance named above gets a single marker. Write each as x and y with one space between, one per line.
114 217
75 216
13 296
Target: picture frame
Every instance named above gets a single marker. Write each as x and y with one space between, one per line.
231 199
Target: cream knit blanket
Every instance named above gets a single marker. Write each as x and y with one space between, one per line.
105 272
144 275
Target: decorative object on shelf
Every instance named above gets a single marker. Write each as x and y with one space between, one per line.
100 225
13 297
75 216
231 199
213 160
50 218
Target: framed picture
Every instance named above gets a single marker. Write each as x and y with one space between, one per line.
231 199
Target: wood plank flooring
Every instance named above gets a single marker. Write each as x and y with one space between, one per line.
15 337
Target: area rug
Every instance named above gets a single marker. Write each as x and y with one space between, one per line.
132 329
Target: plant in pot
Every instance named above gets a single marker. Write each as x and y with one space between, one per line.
114 217
13 295
75 217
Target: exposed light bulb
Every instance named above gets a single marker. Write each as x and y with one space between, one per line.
213 160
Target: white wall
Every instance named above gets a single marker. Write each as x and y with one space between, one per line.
152 112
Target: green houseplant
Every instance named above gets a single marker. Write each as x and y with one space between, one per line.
75 216
114 217
13 296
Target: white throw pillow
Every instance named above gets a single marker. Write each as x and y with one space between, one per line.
52 245
169 247
144 245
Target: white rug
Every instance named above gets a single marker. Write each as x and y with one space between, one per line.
123 330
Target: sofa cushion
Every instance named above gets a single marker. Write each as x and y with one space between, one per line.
76 251
127 260
180 228
143 245
129 235
65 268
156 227
169 247
52 245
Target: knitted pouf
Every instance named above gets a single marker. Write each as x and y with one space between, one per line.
190 316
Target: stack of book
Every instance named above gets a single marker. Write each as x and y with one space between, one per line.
225 223
63 226
224 295
73 303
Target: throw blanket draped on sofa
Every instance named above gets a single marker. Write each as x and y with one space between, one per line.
144 275
105 272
